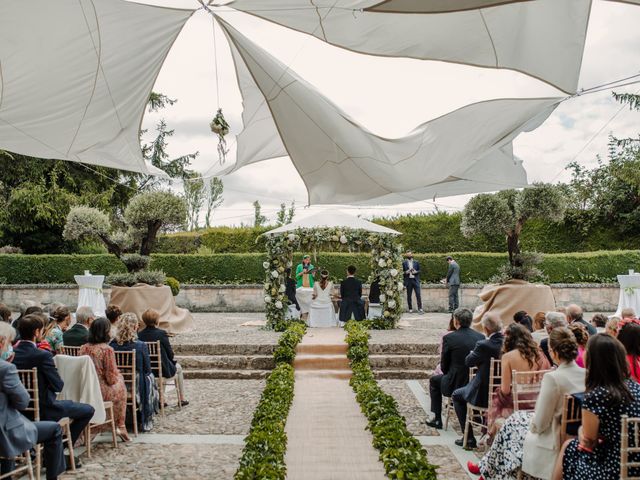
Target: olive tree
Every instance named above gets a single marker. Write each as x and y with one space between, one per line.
146 215
507 212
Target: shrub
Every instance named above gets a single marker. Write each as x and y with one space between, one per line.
400 452
266 444
174 285
10 250
151 277
135 262
131 278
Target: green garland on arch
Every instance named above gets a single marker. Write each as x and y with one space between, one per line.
386 264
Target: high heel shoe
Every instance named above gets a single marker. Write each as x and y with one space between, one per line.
473 468
123 435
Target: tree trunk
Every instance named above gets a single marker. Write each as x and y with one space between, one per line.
513 242
112 247
149 238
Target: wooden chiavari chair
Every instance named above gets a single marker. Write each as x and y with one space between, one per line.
126 362
630 448
571 417
474 411
525 388
21 469
156 367
71 351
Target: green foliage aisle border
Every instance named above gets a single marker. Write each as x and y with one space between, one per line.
385 264
400 452
266 444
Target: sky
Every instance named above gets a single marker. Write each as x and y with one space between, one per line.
202 78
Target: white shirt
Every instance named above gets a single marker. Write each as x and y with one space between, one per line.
410 268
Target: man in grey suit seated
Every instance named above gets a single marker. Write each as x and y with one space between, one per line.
17 433
453 282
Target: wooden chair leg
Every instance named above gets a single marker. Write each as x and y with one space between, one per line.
467 426
67 432
114 434
161 391
38 461
134 410
27 458
87 439
447 412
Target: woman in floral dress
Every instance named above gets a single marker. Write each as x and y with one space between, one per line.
111 381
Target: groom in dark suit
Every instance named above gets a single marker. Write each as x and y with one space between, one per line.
351 295
411 272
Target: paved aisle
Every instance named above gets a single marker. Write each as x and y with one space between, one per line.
326 431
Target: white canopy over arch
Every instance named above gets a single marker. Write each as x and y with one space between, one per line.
333 219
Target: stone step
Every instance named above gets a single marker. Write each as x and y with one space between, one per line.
321 362
404 362
403 348
222 349
219 374
402 374
226 362
317 349
339 374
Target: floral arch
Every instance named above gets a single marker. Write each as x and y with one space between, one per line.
386 264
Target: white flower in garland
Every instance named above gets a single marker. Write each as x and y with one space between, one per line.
278 304
343 239
265 265
382 263
400 286
283 288
275 274
267 299
392 304
383 297
393 272
289 264
387 313
291 237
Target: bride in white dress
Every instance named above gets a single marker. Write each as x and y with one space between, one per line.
322 313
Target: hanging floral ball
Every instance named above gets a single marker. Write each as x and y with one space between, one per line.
278 304
265 265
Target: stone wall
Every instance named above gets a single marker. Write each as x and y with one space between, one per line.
248 298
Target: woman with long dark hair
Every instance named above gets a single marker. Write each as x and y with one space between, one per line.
595 454
522 354
629 336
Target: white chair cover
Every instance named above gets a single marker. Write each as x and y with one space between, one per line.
81 383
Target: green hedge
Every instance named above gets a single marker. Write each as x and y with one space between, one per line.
430 233
400 452
587 267
266 444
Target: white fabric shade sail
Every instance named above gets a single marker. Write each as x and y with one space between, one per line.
333 219
75 77
542 38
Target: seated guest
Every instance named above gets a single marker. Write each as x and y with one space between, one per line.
455 374
111 381
28 356
553 320
523 319
351 295
539 332
374 291
18 434
27 308
290 289
574 315
629 336
5 313
520 354
599 320
582 337
151 333
610 394
476 391
53 333
628 313
113 313
450 328
127 340
612 326
77 335
531 440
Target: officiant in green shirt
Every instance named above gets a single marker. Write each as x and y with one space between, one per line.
304 273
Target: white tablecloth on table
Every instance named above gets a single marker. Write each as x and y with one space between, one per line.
81 383
90 293
629 293
303 295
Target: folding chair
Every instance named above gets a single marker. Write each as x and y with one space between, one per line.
71 351
525 388
629 447
29 379
571 417
126 362
26 468
156 368
473 411
108 407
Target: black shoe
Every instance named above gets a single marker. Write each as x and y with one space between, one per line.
184 403
435 423
76 461
471 443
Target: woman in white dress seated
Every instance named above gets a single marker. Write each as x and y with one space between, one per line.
322 313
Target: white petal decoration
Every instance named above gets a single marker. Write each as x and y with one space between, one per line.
75 77
342 162
542 38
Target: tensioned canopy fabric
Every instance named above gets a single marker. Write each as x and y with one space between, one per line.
342 162
542 38
75 77
333 219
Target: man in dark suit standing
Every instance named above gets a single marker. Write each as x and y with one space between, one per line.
453 282
17 434
476 392
351 296
78 335
455 374
27 356
411 273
